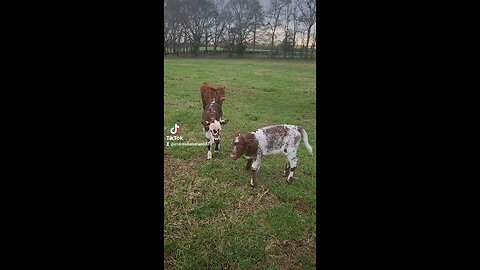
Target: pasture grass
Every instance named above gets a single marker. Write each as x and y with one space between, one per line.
212 218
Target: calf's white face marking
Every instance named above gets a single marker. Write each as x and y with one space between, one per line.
214 130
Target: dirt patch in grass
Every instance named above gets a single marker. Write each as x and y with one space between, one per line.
257 199
168 262
168 174
302 206
293 254
174 167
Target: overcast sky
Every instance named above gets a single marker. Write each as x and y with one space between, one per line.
279 33
265 3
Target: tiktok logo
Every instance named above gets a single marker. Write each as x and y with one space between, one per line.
175 129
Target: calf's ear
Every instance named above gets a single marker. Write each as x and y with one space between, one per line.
224 122
250 141
237 133
205 123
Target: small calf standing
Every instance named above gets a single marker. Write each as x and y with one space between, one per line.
212 121
267 141
212 91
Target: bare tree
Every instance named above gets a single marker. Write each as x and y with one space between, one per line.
273 16
234 24
287 14
230 38
165 31
314 38
220 21
258 20
197 17
296 28
308 17
172 23
244 14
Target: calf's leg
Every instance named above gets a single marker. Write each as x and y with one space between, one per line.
253 180
249 164
286 171
209 143
255 167
209 153
293 165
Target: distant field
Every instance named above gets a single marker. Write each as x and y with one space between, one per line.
277 51
213 219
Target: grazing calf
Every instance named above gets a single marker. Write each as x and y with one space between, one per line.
212 122
267 141
212 91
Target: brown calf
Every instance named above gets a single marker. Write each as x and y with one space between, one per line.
210 91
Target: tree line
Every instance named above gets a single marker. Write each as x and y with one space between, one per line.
239 27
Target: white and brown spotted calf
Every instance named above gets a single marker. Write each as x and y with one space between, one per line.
212 125
270 140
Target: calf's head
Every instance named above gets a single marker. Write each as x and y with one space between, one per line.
214 128
240 144
219 93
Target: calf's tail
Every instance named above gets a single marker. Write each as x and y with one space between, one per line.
305 140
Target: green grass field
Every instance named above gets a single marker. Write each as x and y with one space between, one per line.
213 219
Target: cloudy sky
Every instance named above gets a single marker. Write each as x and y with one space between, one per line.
279 32
265 3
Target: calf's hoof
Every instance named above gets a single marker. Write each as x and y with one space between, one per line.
289 180
284 174
251 184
